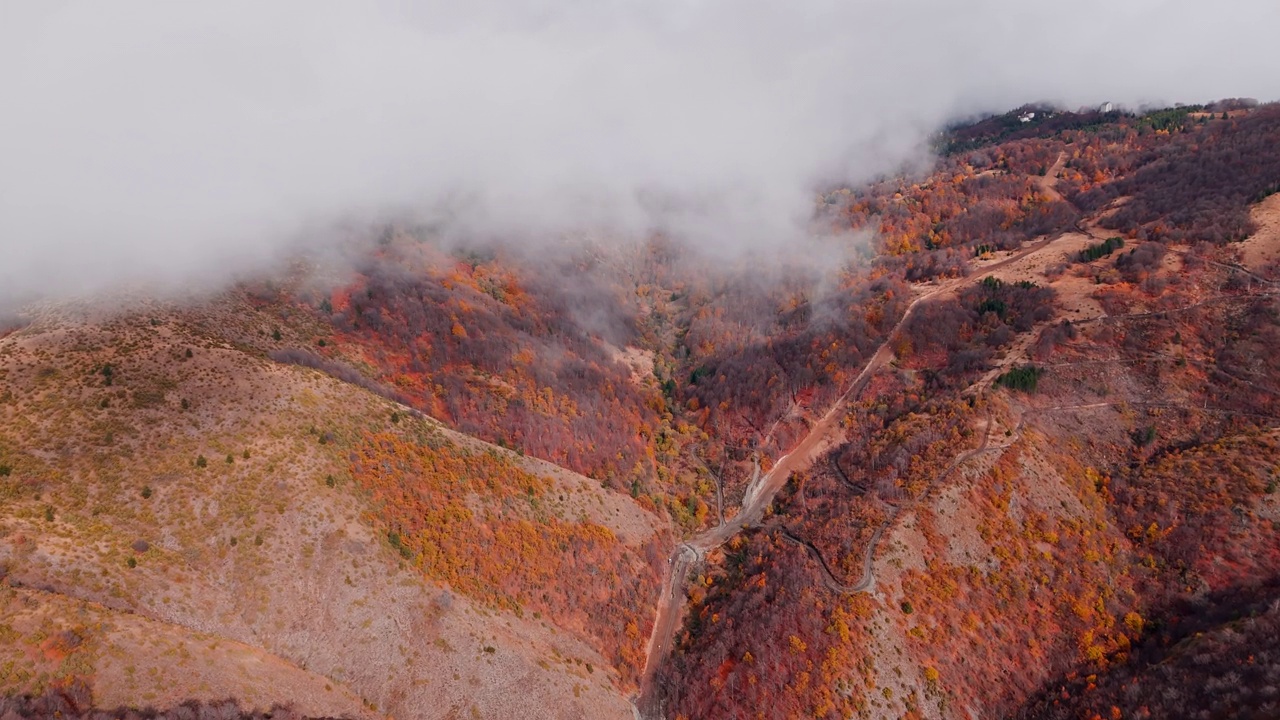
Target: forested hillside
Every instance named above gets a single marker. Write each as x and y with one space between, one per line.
1076 443
1089 342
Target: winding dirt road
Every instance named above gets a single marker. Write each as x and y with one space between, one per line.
1049 181
756 500
867 580
764 487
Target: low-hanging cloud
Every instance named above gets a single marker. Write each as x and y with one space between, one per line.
166 143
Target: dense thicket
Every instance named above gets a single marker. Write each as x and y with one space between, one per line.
1099 250
516 358
1199 185
958 336
1010 126
1022 378
751 355
1220 660
1136 265
74 701
780 645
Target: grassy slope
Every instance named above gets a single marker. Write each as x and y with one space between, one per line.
275 550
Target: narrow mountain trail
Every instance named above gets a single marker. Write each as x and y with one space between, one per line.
757 498
1049 181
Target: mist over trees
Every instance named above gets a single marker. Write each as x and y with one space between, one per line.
515 357
525 124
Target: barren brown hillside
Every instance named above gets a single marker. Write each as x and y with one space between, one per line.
175 500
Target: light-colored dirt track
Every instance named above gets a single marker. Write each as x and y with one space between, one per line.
761 492
1263 247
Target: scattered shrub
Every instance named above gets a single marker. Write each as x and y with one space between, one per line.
394 538
1023 378
1144 436
1139 262
1102 249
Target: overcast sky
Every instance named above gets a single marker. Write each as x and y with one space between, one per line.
162 142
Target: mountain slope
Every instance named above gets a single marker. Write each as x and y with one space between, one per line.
160 467
1014 446
1063 448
